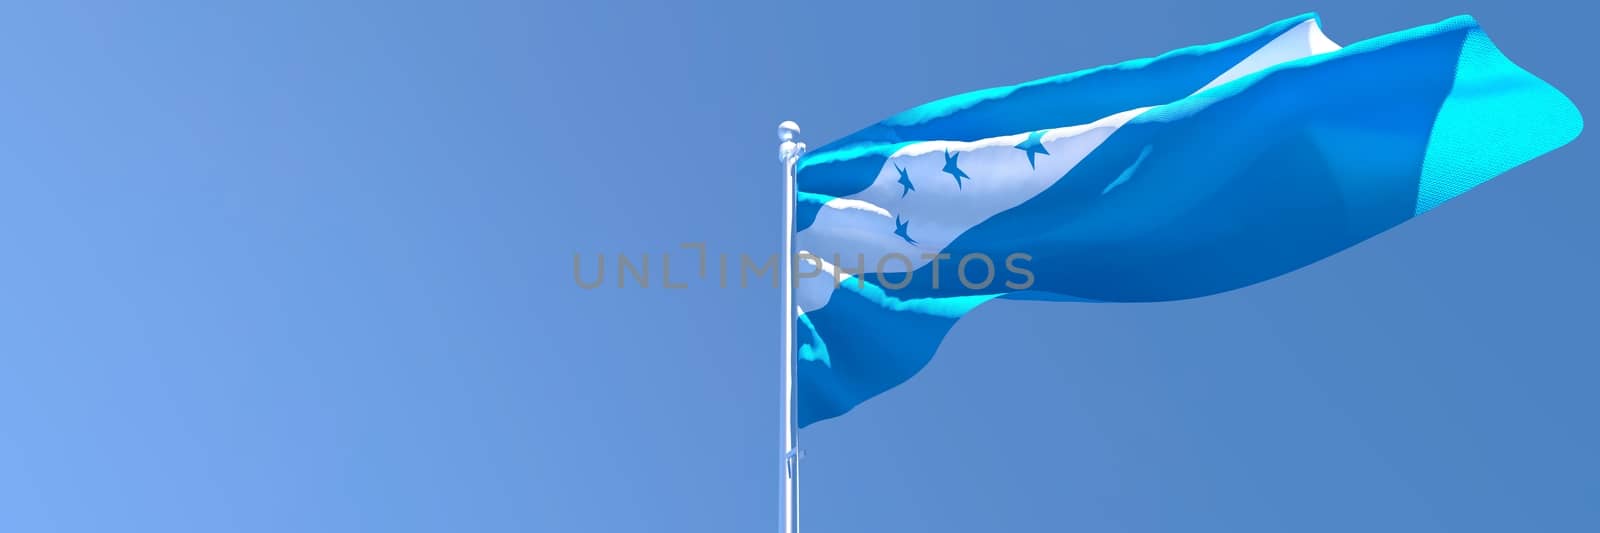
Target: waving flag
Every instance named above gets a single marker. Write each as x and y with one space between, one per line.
1200 171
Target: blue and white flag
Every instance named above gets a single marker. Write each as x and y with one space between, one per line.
1199 171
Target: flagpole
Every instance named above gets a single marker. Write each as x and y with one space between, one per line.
789 151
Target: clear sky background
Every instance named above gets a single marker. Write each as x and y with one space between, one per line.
307 266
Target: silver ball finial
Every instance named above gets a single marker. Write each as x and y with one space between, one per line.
789 149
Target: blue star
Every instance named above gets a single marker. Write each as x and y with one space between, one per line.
950 166
900 229
1032 146
905 181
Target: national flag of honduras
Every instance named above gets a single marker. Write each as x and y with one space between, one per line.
1200 171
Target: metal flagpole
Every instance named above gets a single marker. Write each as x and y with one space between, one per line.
789 151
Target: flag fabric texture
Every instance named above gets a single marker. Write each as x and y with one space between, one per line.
1200 171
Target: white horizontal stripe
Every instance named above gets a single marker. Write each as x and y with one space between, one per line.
862 226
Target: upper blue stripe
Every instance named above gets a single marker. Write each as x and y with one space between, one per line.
849 165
